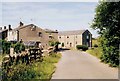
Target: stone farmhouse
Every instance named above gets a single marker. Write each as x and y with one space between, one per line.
69 39
32 35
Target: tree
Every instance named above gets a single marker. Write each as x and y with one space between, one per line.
18 47
54 44
5 46
106 21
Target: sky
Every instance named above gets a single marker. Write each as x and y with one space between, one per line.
61 16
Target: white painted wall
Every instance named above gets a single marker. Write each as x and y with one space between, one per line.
12 35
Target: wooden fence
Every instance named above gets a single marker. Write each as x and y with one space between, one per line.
25 56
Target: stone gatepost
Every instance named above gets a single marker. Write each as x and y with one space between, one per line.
11 51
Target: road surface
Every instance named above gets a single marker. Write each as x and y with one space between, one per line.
80 65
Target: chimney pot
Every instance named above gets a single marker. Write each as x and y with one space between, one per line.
9 27
21 23
4 27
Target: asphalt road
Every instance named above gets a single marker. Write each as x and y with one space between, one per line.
80 65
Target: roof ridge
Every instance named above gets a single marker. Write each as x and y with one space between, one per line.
74 32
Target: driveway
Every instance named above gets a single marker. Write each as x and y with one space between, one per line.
80 65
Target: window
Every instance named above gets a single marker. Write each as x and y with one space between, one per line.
33 28
59 37
67 36
76 42
87 37
40 34
50 36
76 36
67 42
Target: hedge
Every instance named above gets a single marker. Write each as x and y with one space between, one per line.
83 47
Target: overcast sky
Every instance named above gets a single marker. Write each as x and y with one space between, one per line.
59 16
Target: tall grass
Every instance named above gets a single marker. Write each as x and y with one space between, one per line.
97 52
35 71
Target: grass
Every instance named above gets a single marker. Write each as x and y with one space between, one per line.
1 57
36 70
95 41
95 52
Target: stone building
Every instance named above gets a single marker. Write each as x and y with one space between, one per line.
32 35
69 39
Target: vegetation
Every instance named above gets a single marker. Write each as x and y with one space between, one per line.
96 49
55 44
95 45
18 47
97 52
82 47
37 70
106 21
5 46
51 43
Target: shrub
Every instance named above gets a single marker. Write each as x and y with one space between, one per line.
5 46
18 73
18 47
83 47
95 45
51 43
79 47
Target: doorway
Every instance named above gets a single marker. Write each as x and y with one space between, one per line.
70 44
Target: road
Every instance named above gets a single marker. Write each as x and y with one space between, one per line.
80 65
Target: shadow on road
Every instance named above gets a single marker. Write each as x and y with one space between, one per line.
63 49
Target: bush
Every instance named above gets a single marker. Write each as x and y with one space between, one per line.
35 71
51 43
79 47
18 47
83 47
18 73
5 46
95 45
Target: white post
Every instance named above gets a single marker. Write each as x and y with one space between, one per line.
11 51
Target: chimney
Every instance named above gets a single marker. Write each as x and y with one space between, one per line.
4 27
21 23
9 27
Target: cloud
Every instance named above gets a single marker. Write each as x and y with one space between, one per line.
50 0
61 16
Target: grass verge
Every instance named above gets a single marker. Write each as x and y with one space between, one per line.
35 71
95 52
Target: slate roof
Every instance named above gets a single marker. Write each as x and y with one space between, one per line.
50 31
29 43
74 32
3 30
20 27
